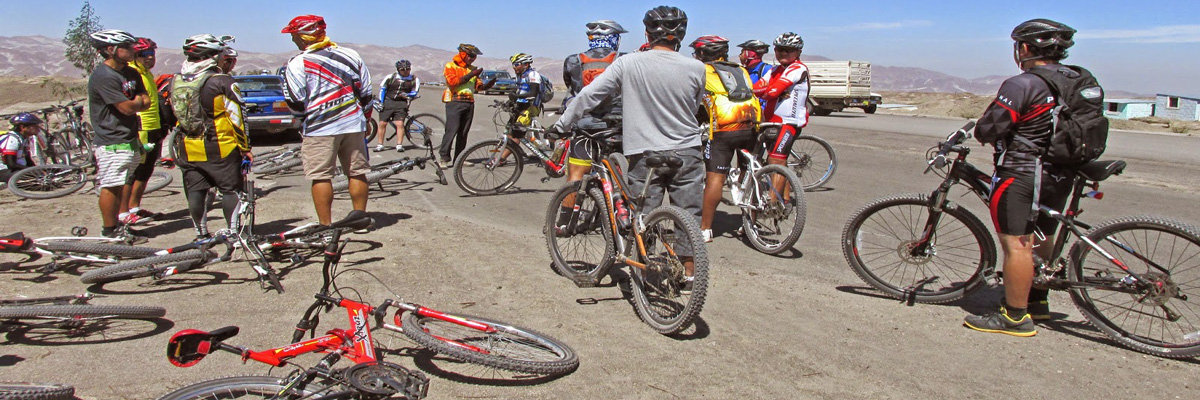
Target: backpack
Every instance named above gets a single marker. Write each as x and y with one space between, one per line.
590 68
547 88
734 80
185 103
1080 128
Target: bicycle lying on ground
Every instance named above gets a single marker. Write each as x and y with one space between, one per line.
813 160
74 248
69 319
57 180
770 196
277 160
1131 277
385 169
471 339
606 224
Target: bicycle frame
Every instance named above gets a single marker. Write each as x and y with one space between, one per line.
554 167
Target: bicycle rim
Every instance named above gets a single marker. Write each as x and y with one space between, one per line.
580 242
46 181
658 289
1150 318
813 160
242 387
424 130
774 218
507 347
477 173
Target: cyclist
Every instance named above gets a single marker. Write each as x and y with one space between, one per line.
332 86
526 99
212 155
115 95
461 84
732 111
661 92
785 95
396 91
751 58
14 145
152 133
1022 113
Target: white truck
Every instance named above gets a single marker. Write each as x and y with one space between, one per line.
836 85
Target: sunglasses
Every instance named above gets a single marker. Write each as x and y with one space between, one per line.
145 53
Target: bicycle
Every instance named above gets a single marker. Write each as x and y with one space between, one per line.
770 197
813 160
277 160
388 168
504 111
72 318
607 225
491 167
1121 274
75 248
419 129
471 339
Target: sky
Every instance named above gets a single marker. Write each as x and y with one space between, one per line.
1133 46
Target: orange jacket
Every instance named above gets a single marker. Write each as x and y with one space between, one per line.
458 88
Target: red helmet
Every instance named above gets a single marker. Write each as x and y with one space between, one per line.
163 82
305 24
144 44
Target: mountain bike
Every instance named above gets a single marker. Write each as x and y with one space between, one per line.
606 224
36 391
419 129
813 160
1131 277
75 248
69 319
770 196
388 168
277 160
491 167
471 339
505 110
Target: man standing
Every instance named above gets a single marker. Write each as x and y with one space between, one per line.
152 133
332 86
115 95
462 81
785 95
396 92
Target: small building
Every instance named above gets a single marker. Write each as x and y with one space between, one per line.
1128 108
1183 108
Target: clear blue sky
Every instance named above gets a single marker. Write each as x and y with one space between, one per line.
1144 47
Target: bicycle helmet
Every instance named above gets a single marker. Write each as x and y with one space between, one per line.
665 23
229 52
203 46
469 49
755 45
1043 33
790 40
710 47
403 64
144 44
24 119
604 27
111 37
521 58
305 25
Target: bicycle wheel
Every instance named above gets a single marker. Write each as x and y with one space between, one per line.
1155 317
103 250
477 173
158 180
774 219
244 387
580 242
880 242
659 290
506 346
276 166
47 181
424 130
149 266
80 311
372 130
35 391
813 160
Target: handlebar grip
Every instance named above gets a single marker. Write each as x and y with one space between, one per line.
969 126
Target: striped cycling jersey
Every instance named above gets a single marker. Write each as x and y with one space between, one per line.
786 94
222 104
333 84
529 88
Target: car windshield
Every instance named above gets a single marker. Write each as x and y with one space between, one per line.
260 84
488 75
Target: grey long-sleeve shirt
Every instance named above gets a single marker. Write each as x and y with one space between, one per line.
661 91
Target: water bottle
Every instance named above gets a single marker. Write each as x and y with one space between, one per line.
622 212
559 148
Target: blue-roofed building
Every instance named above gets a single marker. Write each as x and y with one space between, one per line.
1128 108
1183 108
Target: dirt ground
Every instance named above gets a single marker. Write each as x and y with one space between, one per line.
798 325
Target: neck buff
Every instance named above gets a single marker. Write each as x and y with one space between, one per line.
321 41
192 68
460 59
610 41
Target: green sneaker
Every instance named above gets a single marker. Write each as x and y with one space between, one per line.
1000 322
1040 310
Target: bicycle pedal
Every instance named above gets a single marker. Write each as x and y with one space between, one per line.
583 281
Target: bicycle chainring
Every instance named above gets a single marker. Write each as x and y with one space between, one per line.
382 380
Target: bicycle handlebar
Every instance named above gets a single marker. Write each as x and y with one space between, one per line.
950 144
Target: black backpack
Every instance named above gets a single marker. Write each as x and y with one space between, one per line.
1080 128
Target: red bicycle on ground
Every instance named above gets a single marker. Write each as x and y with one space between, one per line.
471 339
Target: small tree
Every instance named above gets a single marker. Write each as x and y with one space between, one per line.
79 47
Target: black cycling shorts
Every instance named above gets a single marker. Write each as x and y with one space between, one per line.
225 174
391 113
1012 199
722 150
783 142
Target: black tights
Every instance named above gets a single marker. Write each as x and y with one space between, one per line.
198 208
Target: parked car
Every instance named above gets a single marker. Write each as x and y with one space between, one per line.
505 81
265 107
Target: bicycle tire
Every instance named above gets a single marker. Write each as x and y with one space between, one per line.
341 183
44 182
1136 318
813 163
576 254
653 290
427 132
36 391
80 311
234 387
372 130
793 214
482 180
103 249
862 250
273 167
277 151
146 266
158 180
495 348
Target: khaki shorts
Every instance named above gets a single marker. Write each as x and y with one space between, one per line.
320 155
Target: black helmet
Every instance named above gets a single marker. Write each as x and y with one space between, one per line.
710 47
1044 33
665 23
403 64
755 45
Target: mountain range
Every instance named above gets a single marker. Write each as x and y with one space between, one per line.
43 56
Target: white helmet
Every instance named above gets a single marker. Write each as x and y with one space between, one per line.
521 58
791 40
604 27
203 46
111 37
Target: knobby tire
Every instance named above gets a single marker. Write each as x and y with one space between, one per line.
510 348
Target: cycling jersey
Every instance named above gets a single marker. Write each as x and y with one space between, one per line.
1021 108
149 117
760 70
395 88
529 89
457 87
786 94
725 114
12 144
222 103
331 84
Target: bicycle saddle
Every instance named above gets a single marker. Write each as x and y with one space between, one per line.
1101 170
661 160
15 242
189 346
354 220
768 134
